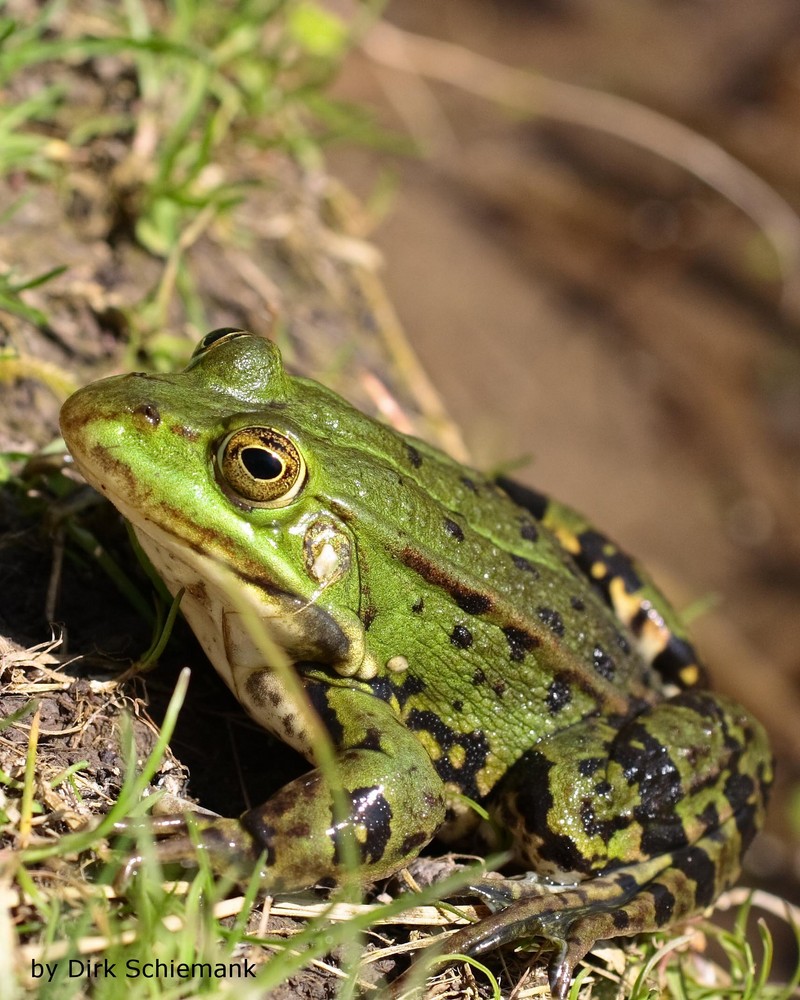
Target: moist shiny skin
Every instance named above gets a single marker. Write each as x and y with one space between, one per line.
454 634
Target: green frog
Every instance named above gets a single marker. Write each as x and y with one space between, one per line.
458 637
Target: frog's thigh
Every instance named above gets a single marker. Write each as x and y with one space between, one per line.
394 796
606 793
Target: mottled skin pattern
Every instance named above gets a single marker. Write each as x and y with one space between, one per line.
454 634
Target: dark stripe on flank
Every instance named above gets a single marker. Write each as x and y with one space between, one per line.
471 601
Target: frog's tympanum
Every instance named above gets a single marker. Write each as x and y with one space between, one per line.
455 634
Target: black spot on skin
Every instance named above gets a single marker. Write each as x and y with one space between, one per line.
528 530
475 745
499 688
519 643
470 484
709 817
382 688
559 694
255 690
603 787
368 616
596 547
318 696
418 606
670 663
663 903
527 783
413 842
593 826
620 919
603 664
461 637
696 865
532 500
414 456
478 678
368 808
525 565
638 622
150 413
589 766
747 823
739 789
411 685
458 705
577 603
647 764
453 529
622 642
627 884
552 619
385 689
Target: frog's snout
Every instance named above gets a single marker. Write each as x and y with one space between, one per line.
75 415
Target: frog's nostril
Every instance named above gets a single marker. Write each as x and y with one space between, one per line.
150 413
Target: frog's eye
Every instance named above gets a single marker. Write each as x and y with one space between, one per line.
216 337
261 466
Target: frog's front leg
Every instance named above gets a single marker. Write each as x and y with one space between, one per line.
646 818
394 797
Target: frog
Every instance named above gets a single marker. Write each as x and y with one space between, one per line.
461 638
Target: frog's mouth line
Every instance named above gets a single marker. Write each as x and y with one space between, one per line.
303 630
163 547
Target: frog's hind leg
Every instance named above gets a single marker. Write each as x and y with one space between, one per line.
649 816
695 877
638 898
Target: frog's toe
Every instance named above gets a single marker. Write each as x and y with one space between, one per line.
562 966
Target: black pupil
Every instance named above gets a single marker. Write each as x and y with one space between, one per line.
261 464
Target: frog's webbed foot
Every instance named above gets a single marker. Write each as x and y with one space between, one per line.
527 908
637 898
565 917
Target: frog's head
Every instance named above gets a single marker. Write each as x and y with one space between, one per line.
221 467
